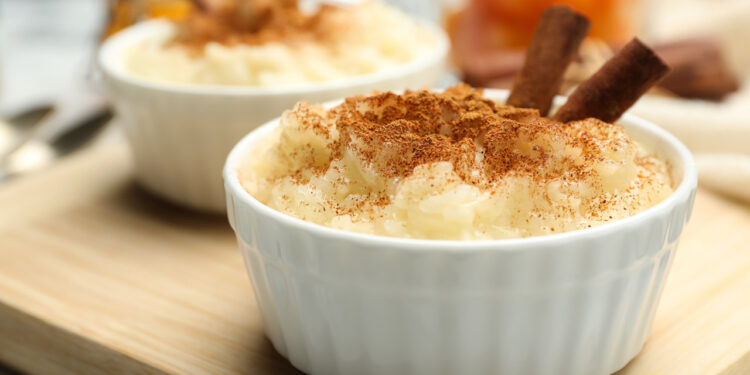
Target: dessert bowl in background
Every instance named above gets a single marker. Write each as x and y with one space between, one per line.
181 133
580 302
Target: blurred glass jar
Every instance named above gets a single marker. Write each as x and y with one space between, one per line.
123 13
511 23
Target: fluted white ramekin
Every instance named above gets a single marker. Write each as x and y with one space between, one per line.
582 302
181 134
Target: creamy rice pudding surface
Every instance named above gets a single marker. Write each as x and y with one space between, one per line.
452 165
286 47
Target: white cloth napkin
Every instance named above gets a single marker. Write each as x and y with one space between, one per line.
718 134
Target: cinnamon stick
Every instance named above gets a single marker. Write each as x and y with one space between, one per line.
616 86
699 69
555 43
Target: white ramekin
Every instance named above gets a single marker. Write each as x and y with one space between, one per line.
582 302
181 134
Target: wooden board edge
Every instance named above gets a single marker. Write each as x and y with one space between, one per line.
54 350
741 366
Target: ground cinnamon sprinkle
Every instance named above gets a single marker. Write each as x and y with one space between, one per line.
401 132
452 165
255 22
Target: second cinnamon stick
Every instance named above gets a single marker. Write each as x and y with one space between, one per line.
555 43
616 86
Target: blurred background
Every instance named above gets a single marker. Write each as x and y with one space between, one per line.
47 46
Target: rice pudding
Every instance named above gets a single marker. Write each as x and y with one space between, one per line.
451 165
282 46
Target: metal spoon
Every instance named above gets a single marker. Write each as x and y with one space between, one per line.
37 153
15 128
29 117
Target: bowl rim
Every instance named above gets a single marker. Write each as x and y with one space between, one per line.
110 61
686 187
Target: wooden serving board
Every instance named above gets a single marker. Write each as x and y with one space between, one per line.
97 277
